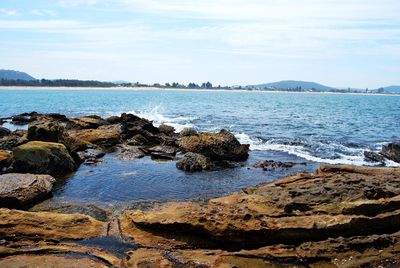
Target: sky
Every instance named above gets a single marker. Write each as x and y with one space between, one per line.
341 43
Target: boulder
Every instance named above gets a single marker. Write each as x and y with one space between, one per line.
166 129
373 157
5 160
14 139
4 132
217 146
91 156
137 140
163 152
22 119
187 131
20 189
113 120
194 162
45 131
129 152
271 165
106 136
392 151
43 158
87 122
132 125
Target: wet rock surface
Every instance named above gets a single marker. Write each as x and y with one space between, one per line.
340 216
43 158
392 151
374 157
5 160
4 132
217 146
271 165
17 190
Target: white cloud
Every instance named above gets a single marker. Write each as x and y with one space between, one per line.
43 12
8 12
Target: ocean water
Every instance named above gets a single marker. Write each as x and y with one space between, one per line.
300 127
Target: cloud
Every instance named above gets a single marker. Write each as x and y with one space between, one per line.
44 12
8 12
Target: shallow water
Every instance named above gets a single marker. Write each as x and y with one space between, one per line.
312 128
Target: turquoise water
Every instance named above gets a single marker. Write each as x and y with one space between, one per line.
328 128
303 128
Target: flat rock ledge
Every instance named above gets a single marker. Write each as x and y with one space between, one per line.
341 216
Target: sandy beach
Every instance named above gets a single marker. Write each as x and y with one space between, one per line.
184 89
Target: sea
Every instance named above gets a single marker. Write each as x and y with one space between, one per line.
305 128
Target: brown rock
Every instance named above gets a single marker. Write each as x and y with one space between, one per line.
166 129
45 131
104 136
43 158
217 146
4 132
392 151
87 122
20 189
39 226
5 159
194 162
307 207
146 258
50 261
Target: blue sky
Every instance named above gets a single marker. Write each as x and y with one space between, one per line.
343 43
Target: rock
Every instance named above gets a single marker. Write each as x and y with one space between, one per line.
163 152
217 146
91 156
43 158
129 153
392 151
373 157
147 258
271 165
5 160
166 129
87 122
137 140
106 136
132 125
40 226
49 261
187 131
14 139
20 189
307 207
22 119
194 162
114 120
4 132
45 131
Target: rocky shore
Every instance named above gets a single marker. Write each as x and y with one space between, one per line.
339 216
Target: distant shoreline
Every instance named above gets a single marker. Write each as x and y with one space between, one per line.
187 89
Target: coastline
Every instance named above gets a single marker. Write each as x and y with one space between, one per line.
18 88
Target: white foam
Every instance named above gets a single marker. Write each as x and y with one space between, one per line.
156 115
356 158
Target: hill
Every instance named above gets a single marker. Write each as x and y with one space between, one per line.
15 75
291 84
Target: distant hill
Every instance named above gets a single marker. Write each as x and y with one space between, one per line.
291 84
392 89
15 75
